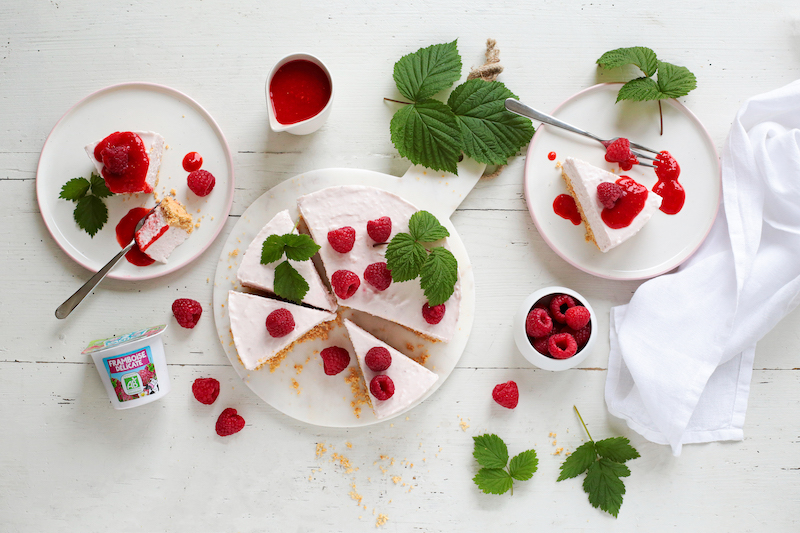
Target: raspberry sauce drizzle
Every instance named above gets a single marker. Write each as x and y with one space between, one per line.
135 165
551 156
672 193
125 229
565 207
192 161
627 206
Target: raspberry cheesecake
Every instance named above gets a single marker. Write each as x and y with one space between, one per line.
128 161
164 229
352 225
613 208
394 381
253 274
265 330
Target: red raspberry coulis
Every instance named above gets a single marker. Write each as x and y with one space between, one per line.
125 228
299 90
132 179
192 161
628 205
564 206
551 156
667 187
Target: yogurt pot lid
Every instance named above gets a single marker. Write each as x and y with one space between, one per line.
100 345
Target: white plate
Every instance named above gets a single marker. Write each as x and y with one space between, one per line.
308 394
186 127
666 241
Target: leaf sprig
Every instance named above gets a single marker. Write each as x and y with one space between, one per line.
672 81
603 463
90 213
497 476
407 258
474 120
289 283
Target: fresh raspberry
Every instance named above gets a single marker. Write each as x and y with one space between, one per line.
577 317
115 158
378 359
147 374
342 239
506 394
540 345
538 323
619 151
380 229
205 390
201 182
378 275
433 315
582 335
187 312
558 306
334 360
345 283
382 387
608 193
666 166
562 346
229 422
280 322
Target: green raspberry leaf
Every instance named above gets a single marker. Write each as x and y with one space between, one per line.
489 133
99 187
289 284
524 465
424 227
91 214
490 451
272 249
405 257
641 56
299 247
604 486
428 71
617 449
578 462
439 275
493 480
639 90
74 189
427 133
675 81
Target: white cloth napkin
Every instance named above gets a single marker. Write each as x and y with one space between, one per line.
682 350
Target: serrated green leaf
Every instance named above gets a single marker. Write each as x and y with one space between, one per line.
493 480
91 214
299 247
404 257
675 81
289 284
578 462
490 451
489 132
427 71
438 276
74 189
424 227
99 187
604 486
639 90
427 133
641 56
272 249
523 465
616 449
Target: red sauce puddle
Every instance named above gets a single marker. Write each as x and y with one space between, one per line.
299 90
672 193
627 206
124 230
565 207
192 161
551 156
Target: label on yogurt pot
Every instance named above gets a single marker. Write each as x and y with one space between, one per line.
132 374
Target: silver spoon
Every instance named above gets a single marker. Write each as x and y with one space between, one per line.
72 302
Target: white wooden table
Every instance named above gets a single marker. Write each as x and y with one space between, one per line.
69 462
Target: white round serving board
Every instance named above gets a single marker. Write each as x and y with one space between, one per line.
185 126
666 241
299 387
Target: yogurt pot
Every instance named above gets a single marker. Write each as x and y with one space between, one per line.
132 367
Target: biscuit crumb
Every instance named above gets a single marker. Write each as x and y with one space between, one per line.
298 368
382 519
234 253
321 449
463 425
558 451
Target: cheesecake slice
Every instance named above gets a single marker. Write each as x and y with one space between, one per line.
128 161
164 229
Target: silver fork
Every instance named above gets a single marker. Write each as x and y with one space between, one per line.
515 106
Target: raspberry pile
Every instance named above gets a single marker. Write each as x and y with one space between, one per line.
558 326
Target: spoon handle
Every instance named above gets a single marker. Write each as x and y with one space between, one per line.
72 302
519 108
